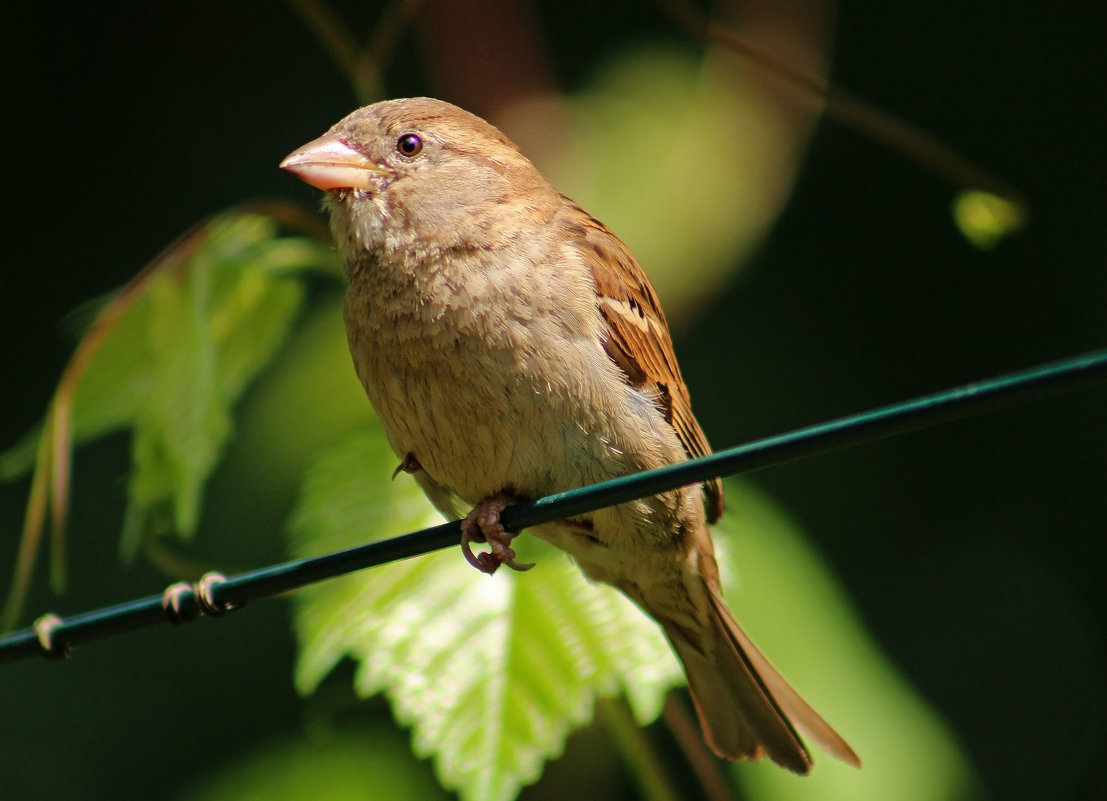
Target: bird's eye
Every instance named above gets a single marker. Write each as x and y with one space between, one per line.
409 145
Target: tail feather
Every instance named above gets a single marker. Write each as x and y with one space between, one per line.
801 713
746 708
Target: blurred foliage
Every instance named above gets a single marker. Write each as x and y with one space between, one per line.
690 162
492 675
168 356
356 764
636 130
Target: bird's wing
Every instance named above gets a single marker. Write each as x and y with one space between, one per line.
638 339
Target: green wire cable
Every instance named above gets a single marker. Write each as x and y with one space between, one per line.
52 636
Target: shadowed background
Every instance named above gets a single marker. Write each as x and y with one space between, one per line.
974 552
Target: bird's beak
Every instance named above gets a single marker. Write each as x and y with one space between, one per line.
329 163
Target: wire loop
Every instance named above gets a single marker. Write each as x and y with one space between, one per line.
45 632
179 602
184 601
204 590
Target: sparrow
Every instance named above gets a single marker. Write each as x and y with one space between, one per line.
513 348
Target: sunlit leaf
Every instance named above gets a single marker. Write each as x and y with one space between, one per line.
491 672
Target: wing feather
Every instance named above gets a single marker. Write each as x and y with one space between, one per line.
638 338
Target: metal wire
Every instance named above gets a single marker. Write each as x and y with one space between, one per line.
213 595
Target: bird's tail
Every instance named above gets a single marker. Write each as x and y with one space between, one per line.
746 708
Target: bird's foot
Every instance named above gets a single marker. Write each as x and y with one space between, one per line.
409 465
483 525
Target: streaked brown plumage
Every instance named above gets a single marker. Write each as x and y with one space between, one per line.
512 347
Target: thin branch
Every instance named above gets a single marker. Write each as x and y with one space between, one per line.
898 134
331 31
361 65
356 65
395 18
631 741
33 521
712 780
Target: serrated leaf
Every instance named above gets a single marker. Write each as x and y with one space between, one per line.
492 673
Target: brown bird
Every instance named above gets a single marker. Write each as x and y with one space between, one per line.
513 348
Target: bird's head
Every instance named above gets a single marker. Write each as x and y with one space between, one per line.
419 173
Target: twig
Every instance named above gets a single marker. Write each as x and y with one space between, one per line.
706 767
879 125
630 739
358 66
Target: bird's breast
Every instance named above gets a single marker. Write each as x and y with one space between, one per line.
489 392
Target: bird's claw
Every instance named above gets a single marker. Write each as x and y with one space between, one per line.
409 465
483 525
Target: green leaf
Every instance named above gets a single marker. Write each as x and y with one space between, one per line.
167 356
232 299
491 672
206 331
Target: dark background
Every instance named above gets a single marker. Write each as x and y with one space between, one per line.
974 551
